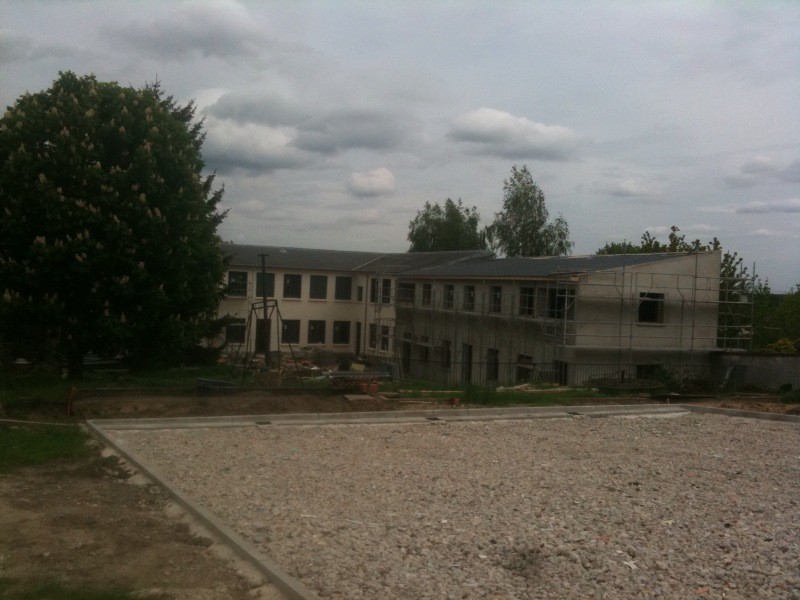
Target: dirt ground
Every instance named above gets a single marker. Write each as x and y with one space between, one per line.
92 522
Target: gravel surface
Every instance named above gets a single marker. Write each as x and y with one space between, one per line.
653 507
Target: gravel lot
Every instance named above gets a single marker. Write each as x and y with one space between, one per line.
654 507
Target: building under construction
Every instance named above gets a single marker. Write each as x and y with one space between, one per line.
567 320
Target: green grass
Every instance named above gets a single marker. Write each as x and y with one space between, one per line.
23 391
489 396
15 590
32 444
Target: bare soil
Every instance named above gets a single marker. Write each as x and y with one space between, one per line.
91 523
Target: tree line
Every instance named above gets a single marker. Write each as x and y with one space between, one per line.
521 228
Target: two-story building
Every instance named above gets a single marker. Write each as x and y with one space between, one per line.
558 319
340 301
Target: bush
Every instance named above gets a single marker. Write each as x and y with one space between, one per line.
791 397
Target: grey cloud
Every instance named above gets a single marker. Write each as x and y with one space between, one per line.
497 133
630 188
760 170
346 129
217 30
773 206
252 107
378 182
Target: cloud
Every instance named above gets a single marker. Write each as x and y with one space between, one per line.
252 148
351 128
502 134
256 107
630 188
775 206
378 182
196 29
19 48
764 169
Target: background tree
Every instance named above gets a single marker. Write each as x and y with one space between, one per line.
449 227
521 227
108 233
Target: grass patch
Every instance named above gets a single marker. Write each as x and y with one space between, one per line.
30 445
490 396
16 590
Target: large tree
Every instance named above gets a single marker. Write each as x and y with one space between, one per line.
108 236
521 228
449 227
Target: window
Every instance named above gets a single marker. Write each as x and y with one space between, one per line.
318 289
344 288
405 292
290 331
341 332
237 283
269 290
469 297
559 302
449 296
316 332
373 335
495 299
424 349
524 367
527 303
492 364
360 293
386 291
427 294
373 290
385 332
447 350
292 285
651 307
235 332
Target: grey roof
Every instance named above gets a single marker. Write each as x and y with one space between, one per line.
537 267
280 257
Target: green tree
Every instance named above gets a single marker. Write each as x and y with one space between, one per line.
449 227
108 236
521 228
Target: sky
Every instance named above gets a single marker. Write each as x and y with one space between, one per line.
330 124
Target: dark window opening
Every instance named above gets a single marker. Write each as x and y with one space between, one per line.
344 288
316 332
449 296
651 307
559 302
386 291
447 351
292 285
406 292
495 299
373 335
237 283
492 364
318 287
341 332
290 331
469 297
235 332
427 293
269 289
527 301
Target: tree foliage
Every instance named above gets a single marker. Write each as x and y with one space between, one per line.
521 228
452 226
108 236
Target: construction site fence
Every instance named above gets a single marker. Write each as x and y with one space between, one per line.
686 378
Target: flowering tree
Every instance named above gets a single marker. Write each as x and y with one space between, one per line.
108 236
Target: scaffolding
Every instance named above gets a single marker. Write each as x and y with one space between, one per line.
623 322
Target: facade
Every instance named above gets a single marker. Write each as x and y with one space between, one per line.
339 301
470 318
558 319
